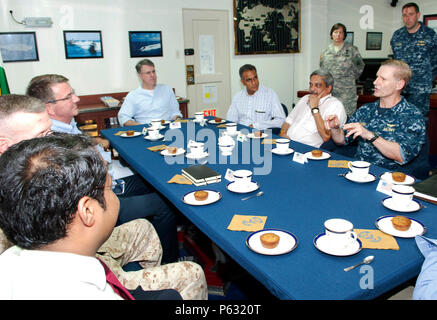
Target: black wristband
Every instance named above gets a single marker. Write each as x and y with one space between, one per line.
375 136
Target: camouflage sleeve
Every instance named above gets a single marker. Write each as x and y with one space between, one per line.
411 136
434 56
357 62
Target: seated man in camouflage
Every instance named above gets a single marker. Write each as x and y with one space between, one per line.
390 131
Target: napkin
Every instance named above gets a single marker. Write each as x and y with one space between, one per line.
179 179
158 148
221 125
268 141
119 133
247 223
182 120
376 239
338 164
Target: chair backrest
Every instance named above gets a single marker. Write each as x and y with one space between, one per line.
285 109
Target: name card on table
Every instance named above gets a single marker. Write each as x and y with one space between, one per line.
300 158
175 125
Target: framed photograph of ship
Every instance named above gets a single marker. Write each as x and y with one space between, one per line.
266 26
145 44
83 44
18 46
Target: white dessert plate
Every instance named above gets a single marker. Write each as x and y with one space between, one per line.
200 156
179 151
387 177
282 153
136 134
322 243
252 136
413 206
160 136
250 187
214 122
352 177
384 224
324 156
287 242
213 196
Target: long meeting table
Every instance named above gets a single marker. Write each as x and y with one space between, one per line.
298 198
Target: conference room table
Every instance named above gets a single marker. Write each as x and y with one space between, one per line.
298 198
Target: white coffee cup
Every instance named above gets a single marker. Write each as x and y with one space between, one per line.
156 123
402 194
153 133
242 178
359 169
231 127
282 144
340 232
198 116
196 148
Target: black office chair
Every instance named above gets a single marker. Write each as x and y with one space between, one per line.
278 130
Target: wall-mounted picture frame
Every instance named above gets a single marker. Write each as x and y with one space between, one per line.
349 37
145 44
266 27
83 44
373 40
18 46
430 21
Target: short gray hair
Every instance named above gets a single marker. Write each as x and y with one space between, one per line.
13 103
327 77
144 62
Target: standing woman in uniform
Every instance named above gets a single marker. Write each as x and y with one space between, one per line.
344 62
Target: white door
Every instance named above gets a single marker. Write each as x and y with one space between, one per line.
206 32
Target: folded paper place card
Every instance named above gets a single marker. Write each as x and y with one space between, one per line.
247 223
269 141
179 179
158 148
338 164
175 125
300 158
376 239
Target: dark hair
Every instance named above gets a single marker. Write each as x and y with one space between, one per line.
40 86
144 62
41 183
409 5
246 67
338 26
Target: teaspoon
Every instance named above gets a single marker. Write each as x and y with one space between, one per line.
366 260
254 195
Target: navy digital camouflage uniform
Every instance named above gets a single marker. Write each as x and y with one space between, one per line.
403 124
345 65
419 51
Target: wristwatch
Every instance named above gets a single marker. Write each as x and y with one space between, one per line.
315 110
375 136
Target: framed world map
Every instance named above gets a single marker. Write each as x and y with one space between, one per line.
266 26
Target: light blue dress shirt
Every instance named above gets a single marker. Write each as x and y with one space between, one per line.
143 106
426 284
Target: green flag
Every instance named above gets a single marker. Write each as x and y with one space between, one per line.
4 88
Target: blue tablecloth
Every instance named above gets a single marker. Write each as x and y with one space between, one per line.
298 198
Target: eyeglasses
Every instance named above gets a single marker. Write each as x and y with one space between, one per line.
117 186
68 97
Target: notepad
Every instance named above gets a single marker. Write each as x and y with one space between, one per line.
201 175
427 189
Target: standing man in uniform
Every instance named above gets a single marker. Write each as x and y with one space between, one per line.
416 44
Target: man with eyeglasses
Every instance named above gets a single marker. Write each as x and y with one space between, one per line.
150 100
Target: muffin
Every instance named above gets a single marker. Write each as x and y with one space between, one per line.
401 223
201 195
130 133
162 122
269 240
172 150
398 176
257 134
218 119
317 153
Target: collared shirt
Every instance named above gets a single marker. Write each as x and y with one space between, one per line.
143 106
419 51
426 284
36 274
303 126
262 109
402 124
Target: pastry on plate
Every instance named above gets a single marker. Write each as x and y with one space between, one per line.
398 176
401 223
269 240
201 195
317 153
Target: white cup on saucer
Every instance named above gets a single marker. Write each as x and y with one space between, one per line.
196 148
231 128
402 195
156 123
153 133
242 178
282 144
198 116
339 233
360 169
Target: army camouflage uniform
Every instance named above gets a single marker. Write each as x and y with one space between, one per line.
345 65
419 51
403 124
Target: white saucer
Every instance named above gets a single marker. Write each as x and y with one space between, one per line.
250 187
136 134
287 242
160 128
384 224
409 180
154 139
200 156
179 151
351 177
324 156
321 243
413 206
282 153
251 135
213 196
213 121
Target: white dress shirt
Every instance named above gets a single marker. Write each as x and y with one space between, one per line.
47 275
262 109
303 127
